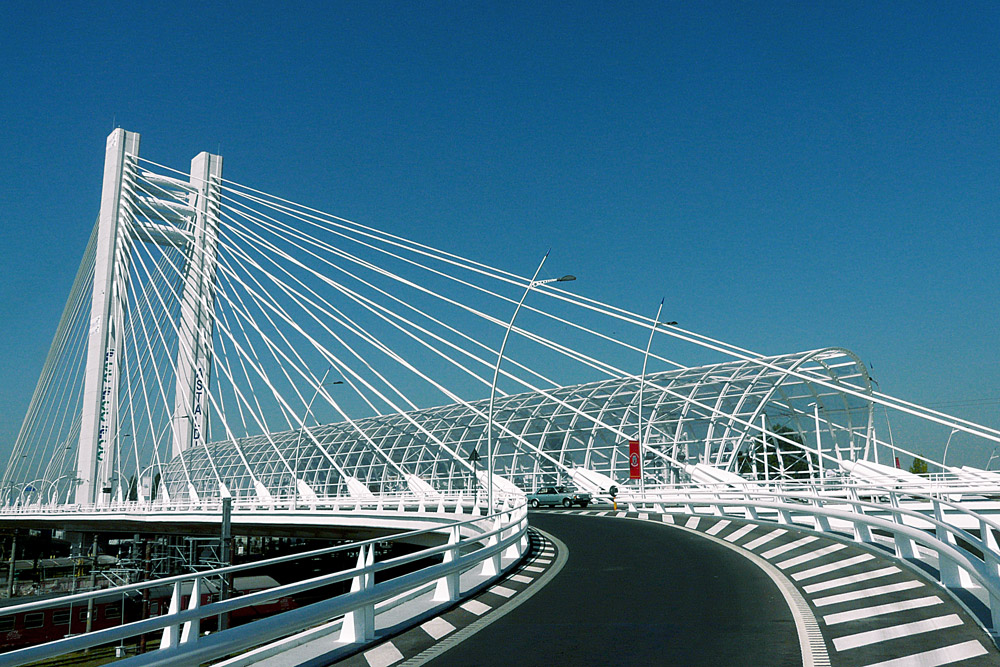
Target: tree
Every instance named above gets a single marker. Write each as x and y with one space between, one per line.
918 467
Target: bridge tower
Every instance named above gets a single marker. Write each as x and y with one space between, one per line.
166 212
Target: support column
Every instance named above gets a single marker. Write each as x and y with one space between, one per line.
197 319
98 427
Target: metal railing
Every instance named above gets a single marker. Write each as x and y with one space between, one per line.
398 501
470 543
963 540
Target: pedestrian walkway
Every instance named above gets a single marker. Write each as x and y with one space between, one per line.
872 609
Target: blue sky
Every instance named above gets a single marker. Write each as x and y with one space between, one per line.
787 175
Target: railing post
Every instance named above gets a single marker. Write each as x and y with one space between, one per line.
491 566
906 548
171 633
447 587
192 628
359 624
862 531
949 572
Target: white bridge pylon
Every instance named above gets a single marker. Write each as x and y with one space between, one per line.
182 215
219 340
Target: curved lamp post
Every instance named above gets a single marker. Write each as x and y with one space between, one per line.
496 372
944 459
642 384
298 441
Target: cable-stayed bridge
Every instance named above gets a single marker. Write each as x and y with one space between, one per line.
222 346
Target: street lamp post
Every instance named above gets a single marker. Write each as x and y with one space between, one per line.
534 282
298 440
944 459
819 448
642 384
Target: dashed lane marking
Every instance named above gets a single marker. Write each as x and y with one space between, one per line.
831 567
895 632
785 548
764 539
437 628
714 530
740 532
383 655
882 609
853 579
503 591
476 607
812 555
939 656
867 593
692 523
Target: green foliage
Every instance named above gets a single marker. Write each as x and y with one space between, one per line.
918 467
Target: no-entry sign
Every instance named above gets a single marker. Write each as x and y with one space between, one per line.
634 460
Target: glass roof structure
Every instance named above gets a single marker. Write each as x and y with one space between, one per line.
712 415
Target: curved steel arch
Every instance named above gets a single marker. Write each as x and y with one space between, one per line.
708 414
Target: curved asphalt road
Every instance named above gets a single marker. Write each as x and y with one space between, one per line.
637 593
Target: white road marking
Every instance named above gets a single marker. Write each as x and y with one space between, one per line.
475 607
739 532
812 555
881 610
667 518
692 523
383 656
521 579
719 525
503 591
532 568
831 567
643 516
939 656
896 631
785 548
437 627
764 539
867 593
852 579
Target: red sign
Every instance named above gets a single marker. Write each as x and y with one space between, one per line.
634 460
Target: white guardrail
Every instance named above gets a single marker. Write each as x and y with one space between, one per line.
480 541
962 540
400 501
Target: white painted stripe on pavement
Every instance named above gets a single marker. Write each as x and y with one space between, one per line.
475 607
764 539
739 532
831 567
692 523
939 656
868 593
643 516
605 513
667 518
852 579
785 548
503 591
812 555
532 568
719 525
881 610
383 656
437 627
621 514
896 631
521 579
